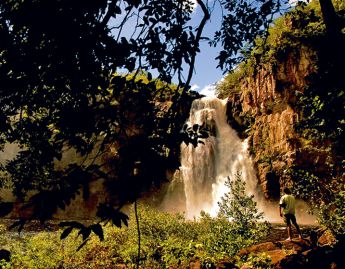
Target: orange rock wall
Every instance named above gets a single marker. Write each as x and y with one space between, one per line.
266 104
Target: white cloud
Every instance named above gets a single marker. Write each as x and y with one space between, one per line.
209 90
194 87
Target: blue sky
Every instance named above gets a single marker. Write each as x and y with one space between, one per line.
206 72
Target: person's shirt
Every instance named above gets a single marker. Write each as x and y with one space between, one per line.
287 202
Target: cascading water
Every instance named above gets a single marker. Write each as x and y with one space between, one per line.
200 182
204 168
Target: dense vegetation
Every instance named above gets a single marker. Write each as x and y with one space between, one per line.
166 240
320 131
61 90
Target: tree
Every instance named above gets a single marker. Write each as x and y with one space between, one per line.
244 223
240 208
245 20
70 81
60 92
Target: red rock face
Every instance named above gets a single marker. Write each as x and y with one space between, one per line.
267 101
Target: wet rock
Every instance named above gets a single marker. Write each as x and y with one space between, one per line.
325 237
264 247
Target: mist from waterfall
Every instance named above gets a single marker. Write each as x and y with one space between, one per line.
204 168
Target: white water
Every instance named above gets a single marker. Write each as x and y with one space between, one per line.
204 168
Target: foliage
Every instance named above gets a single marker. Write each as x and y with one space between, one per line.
301 24
194 134
283 36
5 265
167 241
257 261
241 210
62 94
333 213
231 82
242 23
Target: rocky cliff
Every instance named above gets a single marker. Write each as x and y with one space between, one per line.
264 112
287 100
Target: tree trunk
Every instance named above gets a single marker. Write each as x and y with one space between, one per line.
330 17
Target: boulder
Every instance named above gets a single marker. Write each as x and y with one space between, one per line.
293 261
325 237
263 247
327 253
279 251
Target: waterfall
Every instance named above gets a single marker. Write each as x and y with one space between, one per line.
204 168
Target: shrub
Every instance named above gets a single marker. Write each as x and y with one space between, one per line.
167 241
247 225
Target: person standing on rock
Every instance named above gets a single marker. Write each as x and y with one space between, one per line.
287 206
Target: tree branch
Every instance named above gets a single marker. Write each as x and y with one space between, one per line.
197 41
110 12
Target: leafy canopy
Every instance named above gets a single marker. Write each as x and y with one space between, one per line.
240 209
62 92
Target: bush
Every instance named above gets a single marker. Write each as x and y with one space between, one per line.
167 241
333 214
247 225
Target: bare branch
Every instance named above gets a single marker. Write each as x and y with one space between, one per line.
197 40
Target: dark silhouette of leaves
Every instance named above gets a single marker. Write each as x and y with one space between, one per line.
73 224
107 212
84 231
82 245
66 232
98 230
194 134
